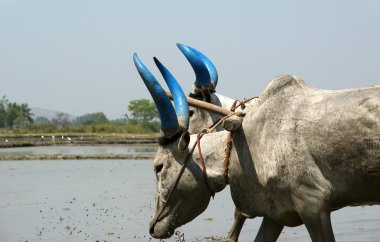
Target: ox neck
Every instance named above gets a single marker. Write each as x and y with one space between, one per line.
212 147
223 101
216 98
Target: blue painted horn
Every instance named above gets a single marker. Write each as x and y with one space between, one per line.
168 117
205 71
180 103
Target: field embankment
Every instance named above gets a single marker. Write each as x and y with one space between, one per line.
14 141
8 141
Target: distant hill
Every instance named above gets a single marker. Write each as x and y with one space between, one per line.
49 114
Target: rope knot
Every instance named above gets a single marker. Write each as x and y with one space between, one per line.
233 123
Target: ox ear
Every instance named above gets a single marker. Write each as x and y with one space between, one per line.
184 141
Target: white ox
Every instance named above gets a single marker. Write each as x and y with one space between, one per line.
299 154
206 80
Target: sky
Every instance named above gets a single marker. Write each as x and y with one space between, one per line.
75 56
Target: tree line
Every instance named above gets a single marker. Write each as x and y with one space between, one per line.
13 114
142 117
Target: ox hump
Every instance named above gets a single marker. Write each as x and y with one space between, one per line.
284 84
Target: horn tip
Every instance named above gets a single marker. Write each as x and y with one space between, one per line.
136 58
179 45
158 64
183 48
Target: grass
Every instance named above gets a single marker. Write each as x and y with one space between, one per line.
96 129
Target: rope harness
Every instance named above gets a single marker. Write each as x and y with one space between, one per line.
197 144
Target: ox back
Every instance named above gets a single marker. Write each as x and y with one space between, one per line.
302 148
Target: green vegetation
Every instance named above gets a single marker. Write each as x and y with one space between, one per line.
16 119
91 119
144 114
13 115
143 110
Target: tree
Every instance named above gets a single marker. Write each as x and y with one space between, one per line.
13 114
3 109
145 114
142 110
91 118
61 119
24 114
42 120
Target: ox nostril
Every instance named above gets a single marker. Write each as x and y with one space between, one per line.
151 229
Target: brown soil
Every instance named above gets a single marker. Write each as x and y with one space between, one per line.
76 140
34 140
79 157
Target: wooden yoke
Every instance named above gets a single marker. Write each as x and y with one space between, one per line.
204 105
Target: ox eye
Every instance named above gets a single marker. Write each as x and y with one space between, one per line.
191 112
158 168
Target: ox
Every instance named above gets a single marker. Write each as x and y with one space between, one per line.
299 154
206 80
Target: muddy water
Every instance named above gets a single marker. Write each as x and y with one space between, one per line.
89 200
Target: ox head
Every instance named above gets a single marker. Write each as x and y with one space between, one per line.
174 207
206 79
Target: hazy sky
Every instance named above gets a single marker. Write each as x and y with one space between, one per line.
76 56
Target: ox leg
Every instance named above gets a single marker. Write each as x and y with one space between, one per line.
233 234
319 226
269 231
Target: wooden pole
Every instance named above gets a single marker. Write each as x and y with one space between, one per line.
204 105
